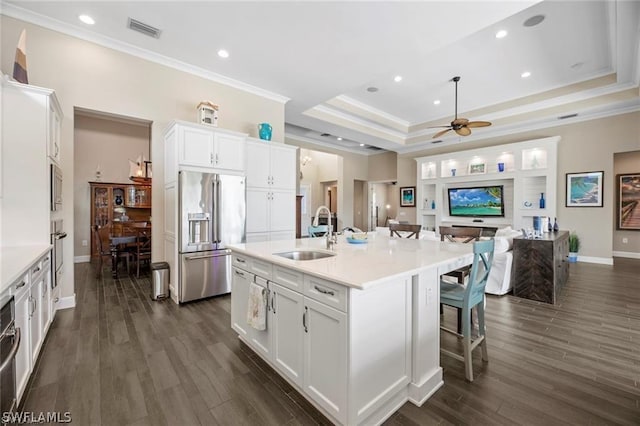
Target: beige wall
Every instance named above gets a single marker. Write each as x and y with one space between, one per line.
89 76
625 163
351 167
108 144
383 167
322 168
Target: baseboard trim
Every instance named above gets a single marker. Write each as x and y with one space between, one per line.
66 302
82 259
600 260
628 254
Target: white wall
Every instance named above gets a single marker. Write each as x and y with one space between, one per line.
97 78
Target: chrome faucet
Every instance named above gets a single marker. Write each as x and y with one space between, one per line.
331 239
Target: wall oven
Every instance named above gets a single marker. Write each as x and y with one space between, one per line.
9 344
57 235
56 188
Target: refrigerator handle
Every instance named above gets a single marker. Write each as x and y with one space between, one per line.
218 209
214 211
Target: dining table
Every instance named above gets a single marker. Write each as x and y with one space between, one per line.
130 233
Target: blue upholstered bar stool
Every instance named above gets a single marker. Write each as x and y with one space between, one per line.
318 231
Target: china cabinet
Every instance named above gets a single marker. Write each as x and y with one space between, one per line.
116 203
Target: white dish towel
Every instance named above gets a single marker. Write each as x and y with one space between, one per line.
257 307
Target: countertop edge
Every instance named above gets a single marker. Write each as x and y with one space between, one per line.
19 259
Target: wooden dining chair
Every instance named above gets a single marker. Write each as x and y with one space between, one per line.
101 237
466 298
459 234
142 251
408 231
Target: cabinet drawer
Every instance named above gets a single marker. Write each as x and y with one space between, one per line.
251 264
327 292
288 278
21 285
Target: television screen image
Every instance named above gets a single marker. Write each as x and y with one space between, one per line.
484 201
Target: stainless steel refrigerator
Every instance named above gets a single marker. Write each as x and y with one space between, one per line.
212 214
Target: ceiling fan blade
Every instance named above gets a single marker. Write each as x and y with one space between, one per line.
463 131
437 127
459 122
440 133
479 124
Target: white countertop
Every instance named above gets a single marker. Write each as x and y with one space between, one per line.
361 265
15 261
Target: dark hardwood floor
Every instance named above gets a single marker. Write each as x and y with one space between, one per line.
120 358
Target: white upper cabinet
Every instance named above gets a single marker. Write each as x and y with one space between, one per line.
271 165
209 147
54 145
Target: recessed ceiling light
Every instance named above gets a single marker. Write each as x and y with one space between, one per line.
87 19
397 78
501 34
223 53
361 144
436 102
339 138
525 74
372 89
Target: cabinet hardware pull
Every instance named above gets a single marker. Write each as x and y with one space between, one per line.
240 273
304 319
36 270
323 291
217 159
211 158
240 260
22 284
273 306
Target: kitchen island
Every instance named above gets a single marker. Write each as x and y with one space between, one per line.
357 332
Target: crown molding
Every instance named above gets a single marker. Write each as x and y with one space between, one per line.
333 147
373 127
16 12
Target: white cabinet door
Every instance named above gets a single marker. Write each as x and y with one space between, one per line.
260 340
195 147
287 331
54 135
23 357
239 301
228 152
325 357
283 210
283 167
258 165
35 326
45 302
258 206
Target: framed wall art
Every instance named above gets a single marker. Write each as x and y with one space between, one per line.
408 196
477 168
628 201
584 189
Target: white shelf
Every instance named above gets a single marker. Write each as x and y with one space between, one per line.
529 170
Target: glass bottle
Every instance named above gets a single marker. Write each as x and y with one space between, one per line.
549 225
433 204
556 228
542 200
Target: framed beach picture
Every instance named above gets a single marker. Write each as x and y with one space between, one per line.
408 196
629 201
584 189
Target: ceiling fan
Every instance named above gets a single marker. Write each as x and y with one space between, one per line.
461 126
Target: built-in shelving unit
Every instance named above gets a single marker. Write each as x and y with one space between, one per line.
524 169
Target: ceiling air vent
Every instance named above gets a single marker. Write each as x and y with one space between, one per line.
564 117
373 148
438 141
324 135
143 28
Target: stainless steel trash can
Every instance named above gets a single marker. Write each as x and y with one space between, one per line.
160 282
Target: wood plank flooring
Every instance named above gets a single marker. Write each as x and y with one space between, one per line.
120 358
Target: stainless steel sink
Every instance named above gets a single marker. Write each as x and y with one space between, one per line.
305 254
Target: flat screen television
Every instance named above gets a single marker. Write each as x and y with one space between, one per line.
481 201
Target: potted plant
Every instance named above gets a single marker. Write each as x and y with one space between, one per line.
574 246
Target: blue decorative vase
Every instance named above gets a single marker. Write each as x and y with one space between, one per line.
542 202
264 131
